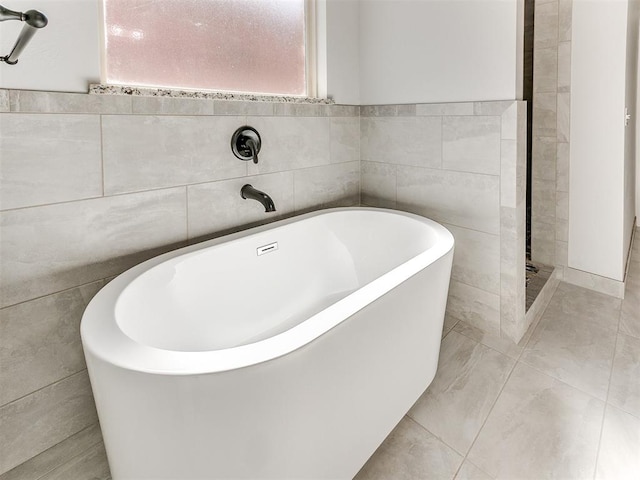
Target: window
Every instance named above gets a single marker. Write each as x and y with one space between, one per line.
247 46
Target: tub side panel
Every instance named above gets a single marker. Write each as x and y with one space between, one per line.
319 412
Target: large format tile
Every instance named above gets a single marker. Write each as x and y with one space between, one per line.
476 260
624 391
49 159
545 70
38 421
471 144
52 248
58 455
291 142
619 456
539 428
378 184
408 453
402 140
218 207
147 152
468 471
61 102
630 315
475 306
469 379
336 185
546 22
91 464
570 346
469 200
345 139
4 100
40 341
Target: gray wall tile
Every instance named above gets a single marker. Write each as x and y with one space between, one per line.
545 70
440 109
564 115
44 418
378 110
544 115
345 139
4 100
58 102
148 152
64 163
52 248
40 341
475 306
90 464
402 140
171 106
546 22
291 142
327 186
218 207
492 108
468 200
301 109
513 119
564 20
378 184
471 144
564 66
562 167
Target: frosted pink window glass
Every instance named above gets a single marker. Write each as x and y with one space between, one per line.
255 46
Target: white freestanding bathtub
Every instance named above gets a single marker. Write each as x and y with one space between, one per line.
287 351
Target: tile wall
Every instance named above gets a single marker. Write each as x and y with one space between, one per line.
92 185
462 164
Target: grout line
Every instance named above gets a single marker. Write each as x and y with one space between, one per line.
42 388
57 292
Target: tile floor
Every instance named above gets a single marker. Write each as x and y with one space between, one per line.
564 403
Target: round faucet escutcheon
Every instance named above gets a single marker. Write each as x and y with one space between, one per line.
246 143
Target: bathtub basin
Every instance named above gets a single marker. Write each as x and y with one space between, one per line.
285 351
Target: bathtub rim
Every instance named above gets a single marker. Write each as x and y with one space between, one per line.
103 339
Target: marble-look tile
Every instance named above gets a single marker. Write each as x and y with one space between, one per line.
402 140
575 340
630 315
378 110
512 175
594 282
469 200
468 471
217 207
291 142
449 323
544 115
562 167
345 139
39 421
471 144
58 102
539 428
476 260
492 108
171 106
562 206
545 70
511 124
91 464
564 20
301 109
64 163
562 229
440 109
564 66
344 111
624 391
4 100
378 184
564 116
40 341
57 455
562 253
543 207
148 152
619 456
407 110
410 452
326 186
546 22
469 379
502 345
236 107
543 166
474 306
52 248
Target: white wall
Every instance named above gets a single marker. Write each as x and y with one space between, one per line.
63 56
597 165
440 50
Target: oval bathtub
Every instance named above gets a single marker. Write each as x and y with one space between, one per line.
289 350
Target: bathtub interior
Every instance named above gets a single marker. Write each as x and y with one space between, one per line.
226 295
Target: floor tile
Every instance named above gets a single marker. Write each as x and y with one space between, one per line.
410 452
502 345
539 428
630 316
468 381
569 346
619 457
468 471
624 391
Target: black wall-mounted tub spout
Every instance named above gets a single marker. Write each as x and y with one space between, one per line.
247 191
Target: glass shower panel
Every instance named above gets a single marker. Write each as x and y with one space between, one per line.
249 46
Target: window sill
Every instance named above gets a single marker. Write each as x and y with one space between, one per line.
96 89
